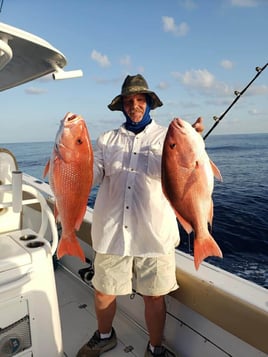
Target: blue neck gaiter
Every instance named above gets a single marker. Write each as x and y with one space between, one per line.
138 127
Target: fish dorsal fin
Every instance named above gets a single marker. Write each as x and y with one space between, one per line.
216 171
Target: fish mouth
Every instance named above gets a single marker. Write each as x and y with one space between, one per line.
179 124
70 118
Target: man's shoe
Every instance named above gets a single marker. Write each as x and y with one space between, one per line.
96 345
160 351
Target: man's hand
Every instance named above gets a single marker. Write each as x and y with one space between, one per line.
198 125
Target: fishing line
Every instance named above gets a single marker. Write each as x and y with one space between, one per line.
1 5
238 95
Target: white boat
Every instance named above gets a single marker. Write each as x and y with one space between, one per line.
48 311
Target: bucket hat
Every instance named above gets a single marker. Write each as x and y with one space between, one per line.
134 85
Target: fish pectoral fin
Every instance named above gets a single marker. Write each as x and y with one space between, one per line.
185 225
216 171
70 246
46 169
205 247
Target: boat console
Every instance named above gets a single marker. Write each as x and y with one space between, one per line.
29 313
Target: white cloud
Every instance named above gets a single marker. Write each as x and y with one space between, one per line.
203 81
255 112
125 61
140 69
162 85
221 102
107 81
35 91
189 104
46 78
246 3
227 64
101 59
169 25
196 78
258 90
188 4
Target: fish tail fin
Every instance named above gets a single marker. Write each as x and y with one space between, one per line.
204 248
70 246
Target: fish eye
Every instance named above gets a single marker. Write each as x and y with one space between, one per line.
79 141
172 146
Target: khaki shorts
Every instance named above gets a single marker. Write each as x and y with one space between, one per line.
153 276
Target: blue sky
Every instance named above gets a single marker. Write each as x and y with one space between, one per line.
193 53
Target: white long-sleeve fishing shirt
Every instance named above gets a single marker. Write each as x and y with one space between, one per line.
131 215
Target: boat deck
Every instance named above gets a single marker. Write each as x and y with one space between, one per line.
78 319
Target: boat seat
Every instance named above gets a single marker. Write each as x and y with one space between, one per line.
9 220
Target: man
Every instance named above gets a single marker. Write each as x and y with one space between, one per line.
134 229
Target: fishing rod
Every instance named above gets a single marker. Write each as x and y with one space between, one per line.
1 5
238 95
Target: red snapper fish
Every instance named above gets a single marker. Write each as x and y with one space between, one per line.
70 171
188 182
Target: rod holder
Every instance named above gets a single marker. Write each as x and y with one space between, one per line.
61 74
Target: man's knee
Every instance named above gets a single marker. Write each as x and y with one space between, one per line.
103 299
153 299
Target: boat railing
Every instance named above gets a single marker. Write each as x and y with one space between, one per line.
6 53
16 188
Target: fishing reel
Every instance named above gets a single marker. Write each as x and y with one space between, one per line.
87 273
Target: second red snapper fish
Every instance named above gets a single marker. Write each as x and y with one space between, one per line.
70 171
188 182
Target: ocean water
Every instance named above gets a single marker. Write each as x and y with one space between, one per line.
240 202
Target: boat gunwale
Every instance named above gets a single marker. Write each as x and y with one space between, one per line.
231 302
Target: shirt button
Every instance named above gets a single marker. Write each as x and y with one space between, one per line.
126 227
129 187
127 207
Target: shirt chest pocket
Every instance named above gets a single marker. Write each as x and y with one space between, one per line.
147 160
151 160
155 159
113 161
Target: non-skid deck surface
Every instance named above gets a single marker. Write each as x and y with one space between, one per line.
79 322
